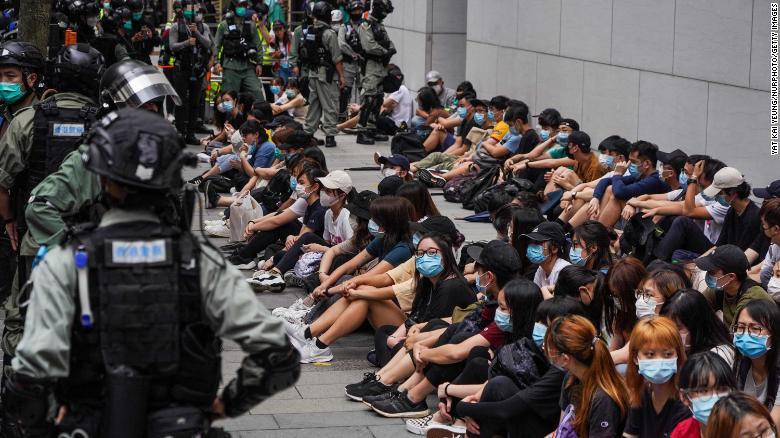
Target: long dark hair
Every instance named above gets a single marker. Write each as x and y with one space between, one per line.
420 198
697 369
571 278
424 289
523 298
595 234
428 99
361 236
767 314
219 117
689 307
622 280
393 214
524 220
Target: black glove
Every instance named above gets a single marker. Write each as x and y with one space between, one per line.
26 405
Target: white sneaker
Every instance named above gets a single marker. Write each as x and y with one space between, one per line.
258 277
211 223
312 353
299 305
294 317
417 425
272 282
220 230
437 430
204 158
295 332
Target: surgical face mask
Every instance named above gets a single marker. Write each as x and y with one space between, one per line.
562 138
773 287
538 334
198 17
607 160
293 182
535 254
11 92
437 88
92 21
188 14
575 257
481 287
416 239
389 172
683 178
241 11
327 200
290 94
751 346
633 170
301 191
645 308
712 282
658 371
107 5
702 406
479 118
137 15
127 25
462 112
429 265
491 116
225 106
544 134
275 89
373 228
502 320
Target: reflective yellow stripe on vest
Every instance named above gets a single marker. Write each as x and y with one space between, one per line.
265 49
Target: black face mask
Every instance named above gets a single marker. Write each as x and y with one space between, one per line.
355 17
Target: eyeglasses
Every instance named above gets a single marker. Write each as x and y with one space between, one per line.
644 294
430 251
706 394
753 330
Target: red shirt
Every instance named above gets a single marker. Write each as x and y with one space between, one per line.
494 335
689 428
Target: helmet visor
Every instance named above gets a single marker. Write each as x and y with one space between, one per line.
141 89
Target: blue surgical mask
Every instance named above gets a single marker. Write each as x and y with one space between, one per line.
538 334
575 257
226 106
535 254
416 237
633 170
137 15
188 14
514 131
607 160
127 25
275 89
658 371
544 134
293 182
373 228
702 406
491 116
107 5
683 178
241 11
562 138
481 288
502 321
462 112
751 346
428 265
479 118
711 281
290 94
11 92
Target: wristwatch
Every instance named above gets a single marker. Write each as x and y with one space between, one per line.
573 194
693 180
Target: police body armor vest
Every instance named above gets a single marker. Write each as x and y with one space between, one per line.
381 38
353 40
144 291
188 58
235 42
56 133
314 54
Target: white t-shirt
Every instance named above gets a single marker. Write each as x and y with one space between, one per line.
403 108
339 230
299 207
542 279
281 100
713 227
758 391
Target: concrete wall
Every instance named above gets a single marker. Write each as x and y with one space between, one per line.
692 74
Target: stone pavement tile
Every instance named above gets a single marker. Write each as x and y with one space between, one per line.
248 422
334 419
391 431
321 391
327 377
332 404
289 394
330 432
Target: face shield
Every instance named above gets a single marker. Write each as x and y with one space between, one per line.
139 86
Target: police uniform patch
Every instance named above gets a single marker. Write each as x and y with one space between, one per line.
139 252
67 129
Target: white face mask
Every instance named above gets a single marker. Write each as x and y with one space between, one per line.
327 200
301 191
437 89
389 172
645 308
773 287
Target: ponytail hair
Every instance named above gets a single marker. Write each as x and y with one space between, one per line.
576 336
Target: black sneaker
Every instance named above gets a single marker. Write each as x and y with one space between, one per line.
380 137
232 247
429 179
197 180
370 385
399 406
364 138
330 141
371 399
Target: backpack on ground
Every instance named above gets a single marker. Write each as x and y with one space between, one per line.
409 145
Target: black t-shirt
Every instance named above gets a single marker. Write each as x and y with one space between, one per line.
604 419
314 218
740 230
446 296
529 141
237 121
645 423
761 246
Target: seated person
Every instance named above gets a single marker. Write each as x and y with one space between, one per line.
760 246
227 116
396 111
769 274
427 101
586 164
289 100
547 249
394 165
546 153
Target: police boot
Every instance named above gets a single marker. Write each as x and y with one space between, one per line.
330 141
380 137
365 137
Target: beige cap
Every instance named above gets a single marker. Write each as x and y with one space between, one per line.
338 179
726 178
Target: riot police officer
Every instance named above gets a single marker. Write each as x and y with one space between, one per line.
377 49
349 43
114 375
320 57
114 42
190 43
36 142
143 34
237 44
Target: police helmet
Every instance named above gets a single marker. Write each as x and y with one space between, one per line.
122 14
21 54
134 83
135 5
355 5
115 4
381 8
308 9
78 67
321 11
136 149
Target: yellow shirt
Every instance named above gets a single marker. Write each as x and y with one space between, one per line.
403 277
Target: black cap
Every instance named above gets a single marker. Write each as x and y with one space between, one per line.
497 256
770 191
728 258
360 203
671 157
395 160
280 120
298 139
580 138
439 225
389 185
548 231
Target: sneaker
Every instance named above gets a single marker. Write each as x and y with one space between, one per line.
312 353
441 430
370 385
220 230
213 222
242 263
232 246
272 282
295 333
292 316
392 391
417 426
399 406
300 304
198 179
292 280
429 179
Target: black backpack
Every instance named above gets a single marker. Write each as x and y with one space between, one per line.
521 362
639 238
485 179
511 187
409 145
277 191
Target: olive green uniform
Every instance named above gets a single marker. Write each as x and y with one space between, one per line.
375 70
324 93
239 74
